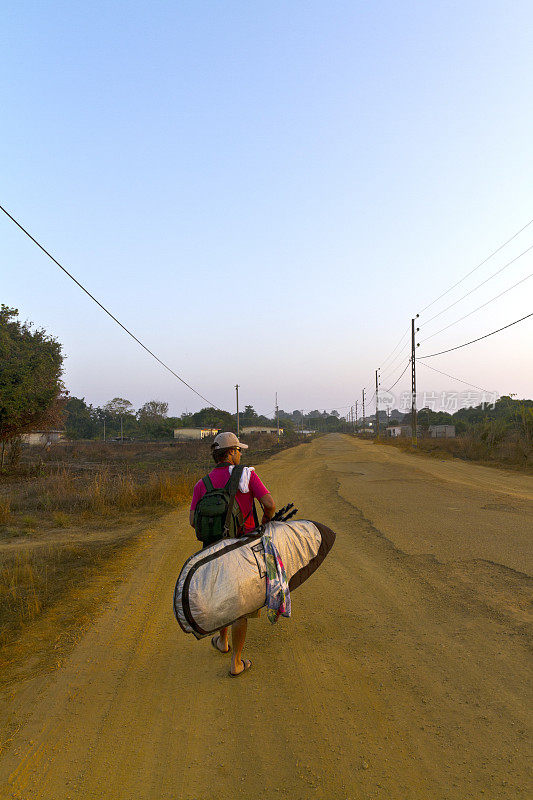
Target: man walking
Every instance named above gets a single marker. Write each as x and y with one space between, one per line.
226 450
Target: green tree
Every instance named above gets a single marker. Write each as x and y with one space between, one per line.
30 377
249 416
153 421
213 418
81 420
118 406
122 416
153 410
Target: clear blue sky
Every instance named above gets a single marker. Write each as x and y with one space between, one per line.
267 192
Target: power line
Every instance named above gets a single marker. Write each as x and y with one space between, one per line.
479 338
477 287
473 385
394 350
399 356
401 376
478 308
392 372
478 266
98 303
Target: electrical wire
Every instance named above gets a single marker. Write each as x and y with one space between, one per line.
401 355
473 385
394 350
479 337
478 266
477 287
478 308
394 371
98 303
399 379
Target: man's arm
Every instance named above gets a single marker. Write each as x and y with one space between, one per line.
269 507
191 518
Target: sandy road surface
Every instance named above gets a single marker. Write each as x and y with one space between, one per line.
403 673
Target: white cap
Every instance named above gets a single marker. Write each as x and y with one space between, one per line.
224 440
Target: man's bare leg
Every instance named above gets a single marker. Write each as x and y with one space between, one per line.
238 635
222 641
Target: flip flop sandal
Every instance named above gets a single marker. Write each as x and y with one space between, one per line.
214 642
247 665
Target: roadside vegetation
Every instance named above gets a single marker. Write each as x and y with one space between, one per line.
499 436
118 419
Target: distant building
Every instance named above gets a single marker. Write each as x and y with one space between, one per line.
261 429
192 434
395 431
43 437
442 431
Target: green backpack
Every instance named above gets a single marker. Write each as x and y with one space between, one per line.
217 515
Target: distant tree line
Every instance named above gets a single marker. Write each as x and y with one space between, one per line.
151 420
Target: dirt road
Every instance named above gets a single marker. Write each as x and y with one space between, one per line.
402 674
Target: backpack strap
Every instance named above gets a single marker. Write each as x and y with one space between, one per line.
208 483
232 486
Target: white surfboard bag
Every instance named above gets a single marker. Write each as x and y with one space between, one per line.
227 580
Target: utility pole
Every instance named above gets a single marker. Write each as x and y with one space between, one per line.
377 406
356 419
104 429
238 423
277 414
353 420
363 410
414 435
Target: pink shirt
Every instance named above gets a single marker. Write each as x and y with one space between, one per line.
219 477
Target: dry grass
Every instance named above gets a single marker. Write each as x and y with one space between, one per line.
68 491
22 581
5 509
506 452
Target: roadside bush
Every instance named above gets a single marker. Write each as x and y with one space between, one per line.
487 442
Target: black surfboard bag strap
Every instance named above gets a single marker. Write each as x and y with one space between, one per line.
217 515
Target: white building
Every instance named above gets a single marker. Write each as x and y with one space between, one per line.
250 429
442 431
398 430
192 434
43 437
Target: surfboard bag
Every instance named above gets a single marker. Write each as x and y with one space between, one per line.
228 579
